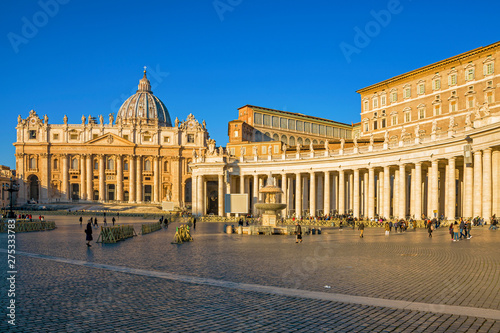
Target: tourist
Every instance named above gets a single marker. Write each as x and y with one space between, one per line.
361 228
113 220
105 221
430 228
462 227
468 227
298 233
493 225
95 221
194 222
390 226
456 229
81 220
88 232
387 229
450 230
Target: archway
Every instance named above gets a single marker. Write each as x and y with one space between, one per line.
33 186
187 190
75 192
147 193
111 192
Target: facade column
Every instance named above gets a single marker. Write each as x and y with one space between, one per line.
442 193
411 192
395 194
119 177
451 190
418 190
365 194
387 192
319 193
201 198
371 193
194 195
380 199
355 211
102 178
402 191
284 194
242 184
487 184
298 195
255 197
495 163
312 195
131 178
468 187
478 183
65 178
155 180
83 192
341 192
139 179
435 188
220 199
350 197
90 178
327 188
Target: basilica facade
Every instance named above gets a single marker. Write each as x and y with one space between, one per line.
138 157
427 144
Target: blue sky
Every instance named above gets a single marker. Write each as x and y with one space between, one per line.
210 57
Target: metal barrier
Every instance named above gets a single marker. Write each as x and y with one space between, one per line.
114 234
28 226
150 227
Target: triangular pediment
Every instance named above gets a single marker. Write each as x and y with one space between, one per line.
110 139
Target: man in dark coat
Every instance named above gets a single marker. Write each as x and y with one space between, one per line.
361 228
298 233
88 231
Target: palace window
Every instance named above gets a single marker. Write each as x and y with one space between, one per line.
329 131
111 164
366 105
383 123
488 68
291 142
267 120
421 89
383 100
291 124
56 164
307 142
375 125
469 74
55 136
375 103
407 116
394 97
436 84
264 150
166 139
147 165
452 79
307 127
32 163
165 166
276 149
437 110
125 166
453 106
407 92
96 165
257 118
366 128
322 130
147 138
74 164
470 102
315 128
421 113
276 122
300 126
283 123
190 138
489 97
394 119
300 141
32 134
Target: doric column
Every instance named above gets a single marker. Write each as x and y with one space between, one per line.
119 177
395 194
411 192
194 199
298 195
285 193
220 192
350 197
242 184
327 189
418 190
435 187
402 191
139 180
371 193
380 199
468 187
102 178
200 197
451 193
255 197
495 175
131 178
387 192
90 178
312 194
365 195
478 184
65 178
487 184
45 177
341 192
83 192
155 180
355 211
305 191
319 193
441 188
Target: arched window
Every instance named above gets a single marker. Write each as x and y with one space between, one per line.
322 142
147 165
125 166
315 142
276 137
74 163
299 140
284 139
56 164
292 141
96 165
111 164
165 166
307 142
32 163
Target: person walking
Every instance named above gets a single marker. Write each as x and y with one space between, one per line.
430 228
361 228
88 232
95 221
113 220
450 230
462 228
387 229
468 227
105 223
456 229
298 233
194 222
81 220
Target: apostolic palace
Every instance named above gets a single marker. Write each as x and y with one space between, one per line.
427 144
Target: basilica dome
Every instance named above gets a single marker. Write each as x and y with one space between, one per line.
143 105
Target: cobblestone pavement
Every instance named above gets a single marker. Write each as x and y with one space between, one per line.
63 297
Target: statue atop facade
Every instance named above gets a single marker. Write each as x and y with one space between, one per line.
46 120
241 151
298 147
254 150
19 119
371 139
101 119
468 121
327 147
176 122
221 151
311 147
83 119
386 136
204 124
486 109
452 123
355 141
417 131
211 146
194 153
342 143
477 111
111 119
65 120
200 152
284 148
434 126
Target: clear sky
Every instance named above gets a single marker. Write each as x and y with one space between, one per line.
210 57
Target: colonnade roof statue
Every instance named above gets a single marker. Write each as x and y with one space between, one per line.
144 105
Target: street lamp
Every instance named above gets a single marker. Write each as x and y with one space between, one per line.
12 187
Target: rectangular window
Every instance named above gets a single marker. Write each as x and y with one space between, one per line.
383 123
452 79
382 100
375 125
32 134
276 122
436 84
125 166
264 150
437 110
489 69
366 106
190 138
315 128
421 89
375 103
166 139
322 130
421 113
125 136
291 124
73 136
147 138
300 126
276 149
366 127
453 106
329 131
469 74
283 123
267 120
55 137
394 120
470 102
394 97
257 118
307 127
489 98
407 117
407 93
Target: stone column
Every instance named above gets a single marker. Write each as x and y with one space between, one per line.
468 190
194 195
435 188
200 197
451 193
139 180
156 195
411 192
395 194
495 162
131 178
355 211
298 195
418 190
380 199
261 184
65 178
327 188
341 192
319 193
350 197
371 193
284 194
365 195
478 184
242 184
487 184
102 178
305 192
387 192
220 191
83 192
441 189
90 178
119 177
402 191
255 194
312 195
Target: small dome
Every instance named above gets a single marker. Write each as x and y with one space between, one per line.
144 105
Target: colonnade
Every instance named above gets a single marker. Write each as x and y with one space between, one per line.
440 186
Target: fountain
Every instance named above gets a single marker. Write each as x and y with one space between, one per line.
270 206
